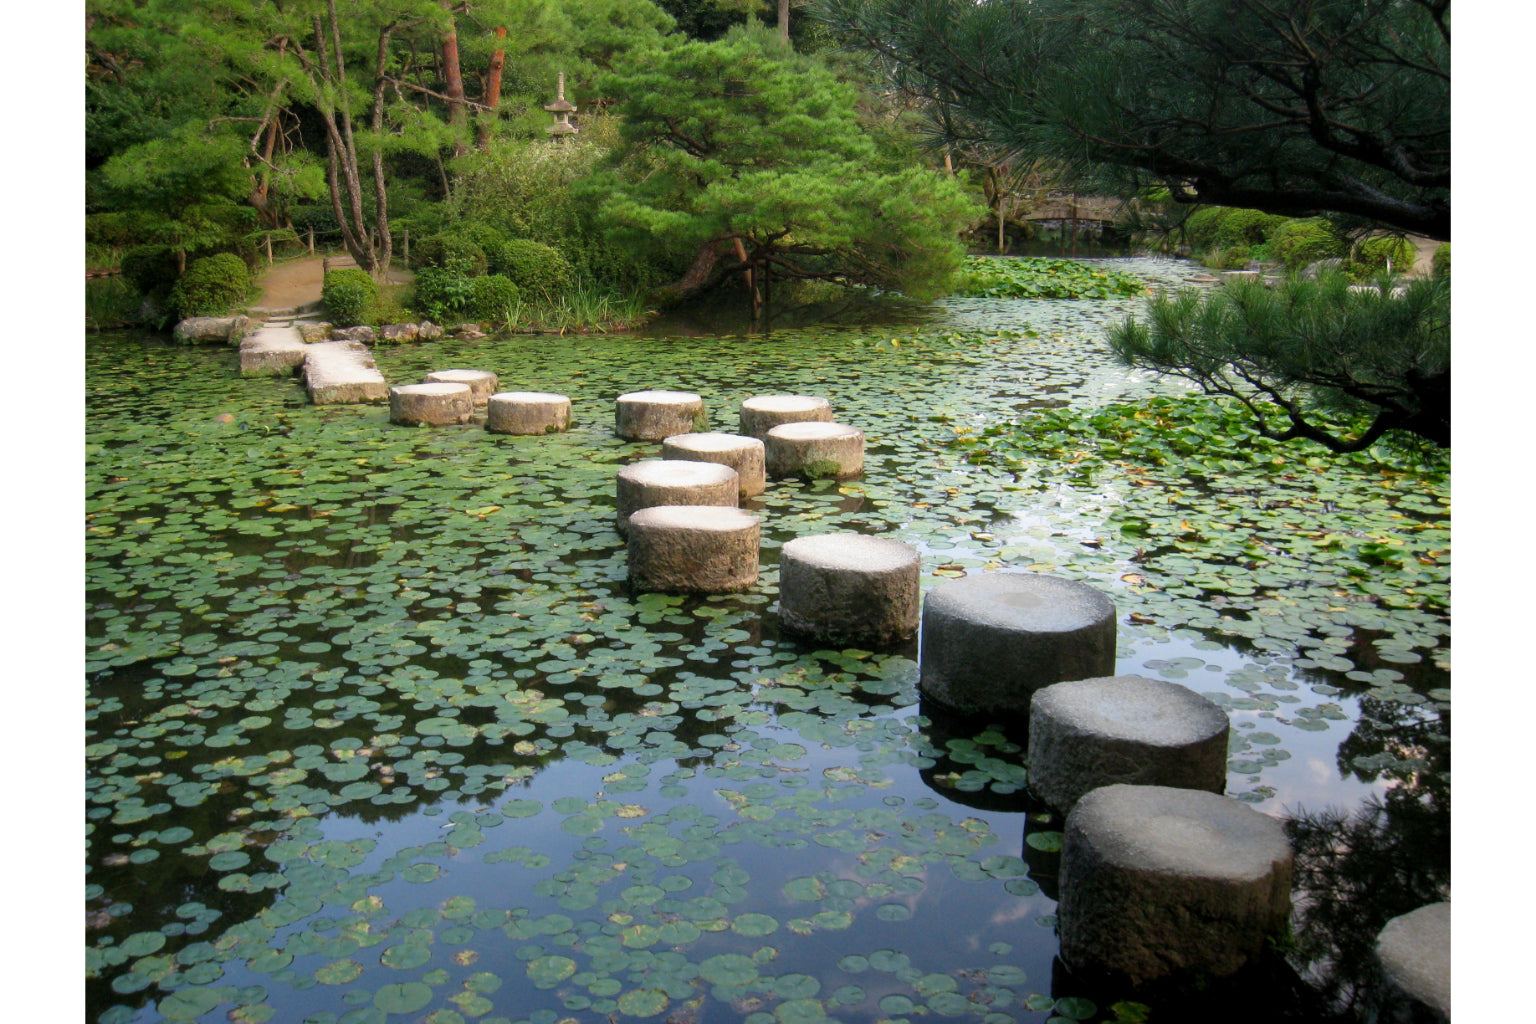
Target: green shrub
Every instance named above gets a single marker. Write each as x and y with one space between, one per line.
1299 243
442 295
1232 258
1372 255
1200 227
150 269
453 252
348 294
533 267
491 297
211 286
1246 227
1441 261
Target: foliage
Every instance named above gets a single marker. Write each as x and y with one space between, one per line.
151 269
1299 243
1441 261
1372 256
348 294
1295 107
533 266
211 286
1306 350
741 142
1031 278
452 251
110 302
442 295
491 297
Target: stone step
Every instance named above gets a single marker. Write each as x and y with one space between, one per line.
343 372
271 350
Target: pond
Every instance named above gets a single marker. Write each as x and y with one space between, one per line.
376 732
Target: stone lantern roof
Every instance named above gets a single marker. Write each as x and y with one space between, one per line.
562 108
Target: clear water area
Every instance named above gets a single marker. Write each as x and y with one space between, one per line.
376 731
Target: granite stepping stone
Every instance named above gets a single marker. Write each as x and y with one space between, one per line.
430 404
527 412
697 549
761 414
657 415
743 454
849 588
815 450
673 482
482 383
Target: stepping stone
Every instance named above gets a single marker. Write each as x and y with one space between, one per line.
1414 951
848 588
342 372
815 450
527 412
694 549
414 405
270 351
1159 882
482 383
743 454
761 414
989 641
226 329
673 482
1123 729
657 415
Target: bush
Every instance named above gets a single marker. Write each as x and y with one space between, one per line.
1234 258
1372 255
1441 261
452 252
150 269
491 297
1201 226
1247 227
1299 243
211 286
442 295
348 294
533 267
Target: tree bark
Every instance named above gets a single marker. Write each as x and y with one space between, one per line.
784 21
492 91
453 75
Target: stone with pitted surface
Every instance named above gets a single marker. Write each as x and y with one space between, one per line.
1158 882
1089 733
342 372
1414 951
482 383
815 450
673 482
761 414
849 588
990 640
743 454
657 415
527 412
270 351
430 404
698 549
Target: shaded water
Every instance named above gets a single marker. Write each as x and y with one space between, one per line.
376 731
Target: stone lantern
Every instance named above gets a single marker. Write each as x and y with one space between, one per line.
562 108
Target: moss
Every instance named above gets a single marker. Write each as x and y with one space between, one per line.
821 469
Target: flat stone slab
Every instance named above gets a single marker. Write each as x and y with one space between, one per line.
527 412
990 640
816 450
482 383
849 588
673 482
269 351
743 454
198 329
1123 729
1415 955
657 415
1159 882
435 404
764 412
697 549
342 372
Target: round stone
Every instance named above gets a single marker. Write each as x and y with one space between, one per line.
697 549
434 404
743 454
656 415
1415 955
527 412
989 641
482 383
673 482
848 588
815 450
761 414
1159 882
1123 729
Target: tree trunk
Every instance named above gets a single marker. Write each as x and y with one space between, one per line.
492 91
784 21
453 75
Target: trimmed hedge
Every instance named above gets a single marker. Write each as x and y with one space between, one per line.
1299 243
348 294
442 295
211 286
453 252
533 266
491 297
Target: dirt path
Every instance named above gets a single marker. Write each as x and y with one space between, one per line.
288 285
